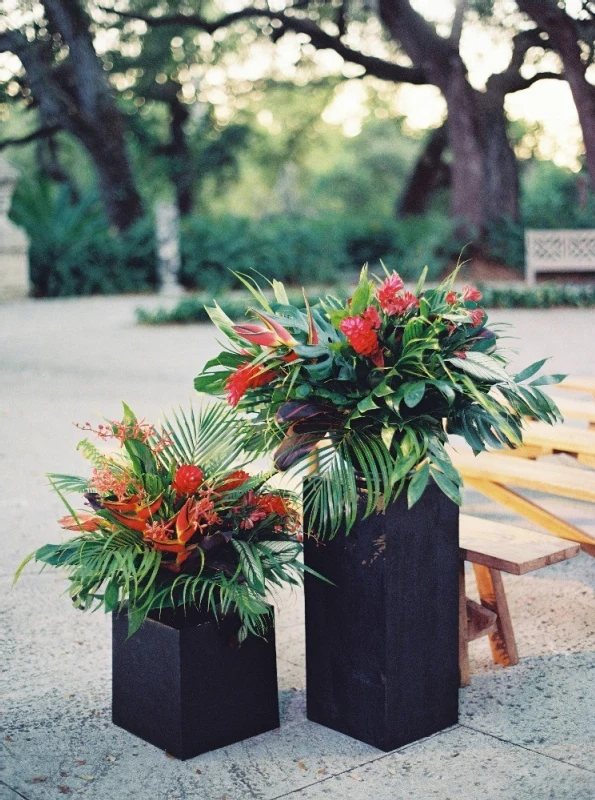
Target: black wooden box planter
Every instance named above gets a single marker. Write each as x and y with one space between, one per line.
180 684
382 644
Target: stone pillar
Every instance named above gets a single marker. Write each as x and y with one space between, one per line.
14 245
167 226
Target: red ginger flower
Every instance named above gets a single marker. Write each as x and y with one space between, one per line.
402 303
388 290
247 376
233 481
187 479
372 317
451 298
477 316
363 338
471 293
273 504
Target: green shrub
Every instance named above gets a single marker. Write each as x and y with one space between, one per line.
505 242
299 250
73 250
548 295
292 249
191 309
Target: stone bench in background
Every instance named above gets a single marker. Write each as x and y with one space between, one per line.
558 251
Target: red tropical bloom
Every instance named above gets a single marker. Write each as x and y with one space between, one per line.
471 293
451 298
133 513
84 521
403 302
387 292
362 337
233 481
372 317
273 504
247 376
270 334
477 316
187 479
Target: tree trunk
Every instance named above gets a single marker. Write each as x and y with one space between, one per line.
564 37
180 159
108 154
472 153
467 199
429 174
76 96
501 175
583 94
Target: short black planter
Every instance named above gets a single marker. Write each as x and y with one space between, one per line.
180 684
382 643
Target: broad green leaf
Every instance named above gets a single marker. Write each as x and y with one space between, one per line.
211 384
414 393
417 484
362 295
311 350
529 371
141 456
448 486
403 466
481 366
110 597
303 390
547 380
367 404
387 435
280 293
446 389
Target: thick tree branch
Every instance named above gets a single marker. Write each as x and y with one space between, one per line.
40 133
378 67
458 22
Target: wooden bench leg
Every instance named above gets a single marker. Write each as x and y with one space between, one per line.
492 596
463 633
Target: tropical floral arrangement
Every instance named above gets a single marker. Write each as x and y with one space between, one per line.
170 522
363 394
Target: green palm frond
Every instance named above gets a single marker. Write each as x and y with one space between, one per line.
213 438
357 461
68 483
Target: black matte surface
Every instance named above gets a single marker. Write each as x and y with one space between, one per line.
382 644
178 684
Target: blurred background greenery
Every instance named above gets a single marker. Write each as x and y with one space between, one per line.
300 140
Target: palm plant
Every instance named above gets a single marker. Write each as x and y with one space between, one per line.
174 523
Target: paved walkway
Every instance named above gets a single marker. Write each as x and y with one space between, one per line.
524 732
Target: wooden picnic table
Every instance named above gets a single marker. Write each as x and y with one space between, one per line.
493 548
493 475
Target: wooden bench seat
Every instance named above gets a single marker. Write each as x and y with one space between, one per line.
571 408
541 439
578 384
493 475
492 548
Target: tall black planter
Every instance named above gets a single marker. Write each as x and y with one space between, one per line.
180 684
382 643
